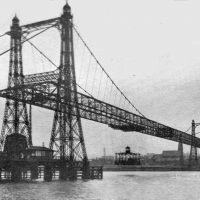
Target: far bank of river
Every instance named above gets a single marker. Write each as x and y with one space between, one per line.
148 168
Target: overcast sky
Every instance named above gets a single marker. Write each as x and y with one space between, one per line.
151 48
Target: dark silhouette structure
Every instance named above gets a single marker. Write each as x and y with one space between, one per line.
193 159
67 151
57 91
127 158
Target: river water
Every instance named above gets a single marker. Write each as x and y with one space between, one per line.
114 186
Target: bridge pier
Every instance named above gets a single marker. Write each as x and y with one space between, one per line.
67 173
72 173
16 173
34 172
86 170
63 172
96 173
48 173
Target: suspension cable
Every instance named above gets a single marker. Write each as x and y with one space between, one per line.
41 53
105 71
188 129
26 40
3 35
87 73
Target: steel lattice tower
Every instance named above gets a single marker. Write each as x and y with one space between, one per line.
67 135
193 150
15 115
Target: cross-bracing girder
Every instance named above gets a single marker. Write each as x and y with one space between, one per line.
32 27
41 77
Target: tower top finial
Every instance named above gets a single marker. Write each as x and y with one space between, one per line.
15 20
67 8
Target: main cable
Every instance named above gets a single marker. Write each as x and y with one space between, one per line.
41 52
8 50
105 71
48 59
3 35
188 129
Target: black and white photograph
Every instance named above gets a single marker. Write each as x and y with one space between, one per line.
99 100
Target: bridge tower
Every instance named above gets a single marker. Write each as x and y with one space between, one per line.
67 135
193 151
15 115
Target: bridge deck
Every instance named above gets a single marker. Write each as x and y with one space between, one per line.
93 109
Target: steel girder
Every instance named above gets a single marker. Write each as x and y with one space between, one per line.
29 28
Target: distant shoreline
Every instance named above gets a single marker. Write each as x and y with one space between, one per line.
148 168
